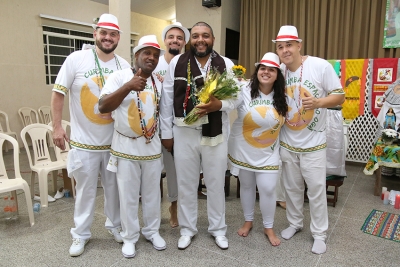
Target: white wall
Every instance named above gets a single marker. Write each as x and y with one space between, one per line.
189 12
22 68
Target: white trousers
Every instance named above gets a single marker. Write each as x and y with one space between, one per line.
191 157
280 192
86 178
134 178
311 168
169 166
266 183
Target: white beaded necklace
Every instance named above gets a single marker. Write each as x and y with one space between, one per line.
298 104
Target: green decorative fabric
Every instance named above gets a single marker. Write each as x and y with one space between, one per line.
383 155
336 65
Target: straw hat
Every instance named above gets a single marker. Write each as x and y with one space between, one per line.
269 60
148 41
107 21
287 33
176 25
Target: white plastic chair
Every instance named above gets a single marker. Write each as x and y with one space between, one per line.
7 184
45 114
28 116
63 154
5 127
41 163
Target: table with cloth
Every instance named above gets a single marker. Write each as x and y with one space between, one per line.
383 154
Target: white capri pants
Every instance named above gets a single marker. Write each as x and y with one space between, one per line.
311 168
190 158
86 188
266 183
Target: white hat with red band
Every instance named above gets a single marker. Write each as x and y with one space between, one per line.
148 41
270 60
287 33
107 21
175 25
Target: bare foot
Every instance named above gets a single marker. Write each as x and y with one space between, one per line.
282 204
173 221
273 239
245 229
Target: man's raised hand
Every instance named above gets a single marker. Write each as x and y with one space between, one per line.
137 83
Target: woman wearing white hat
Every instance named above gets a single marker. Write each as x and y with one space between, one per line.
254 143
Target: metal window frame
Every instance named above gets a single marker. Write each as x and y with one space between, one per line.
47 34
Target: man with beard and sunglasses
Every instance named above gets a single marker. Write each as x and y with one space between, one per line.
83 74
175 37
199 146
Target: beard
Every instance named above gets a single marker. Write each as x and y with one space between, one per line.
173 51
105 50
201 54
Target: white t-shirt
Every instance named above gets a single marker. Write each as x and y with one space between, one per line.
90 130
162 66
127 120
304 131
254 139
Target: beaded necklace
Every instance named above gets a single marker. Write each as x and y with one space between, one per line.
298 103
190 88
100 72
149 133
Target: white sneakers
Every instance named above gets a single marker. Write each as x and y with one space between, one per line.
158 241
78 244
59 194
221 241
49 198
184 241
116 232
128 250
77 247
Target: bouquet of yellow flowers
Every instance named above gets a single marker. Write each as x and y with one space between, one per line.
239 71
221 86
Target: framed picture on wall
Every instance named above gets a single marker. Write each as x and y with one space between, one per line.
391 35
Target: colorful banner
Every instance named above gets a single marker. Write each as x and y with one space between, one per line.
384 73
336 65
353 73
391 34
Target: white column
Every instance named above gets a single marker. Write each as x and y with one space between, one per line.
122 10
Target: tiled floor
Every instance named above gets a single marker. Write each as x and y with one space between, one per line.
48 241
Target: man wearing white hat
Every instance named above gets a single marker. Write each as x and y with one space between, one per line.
83 75
198 146
132 95
311 86
175 37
